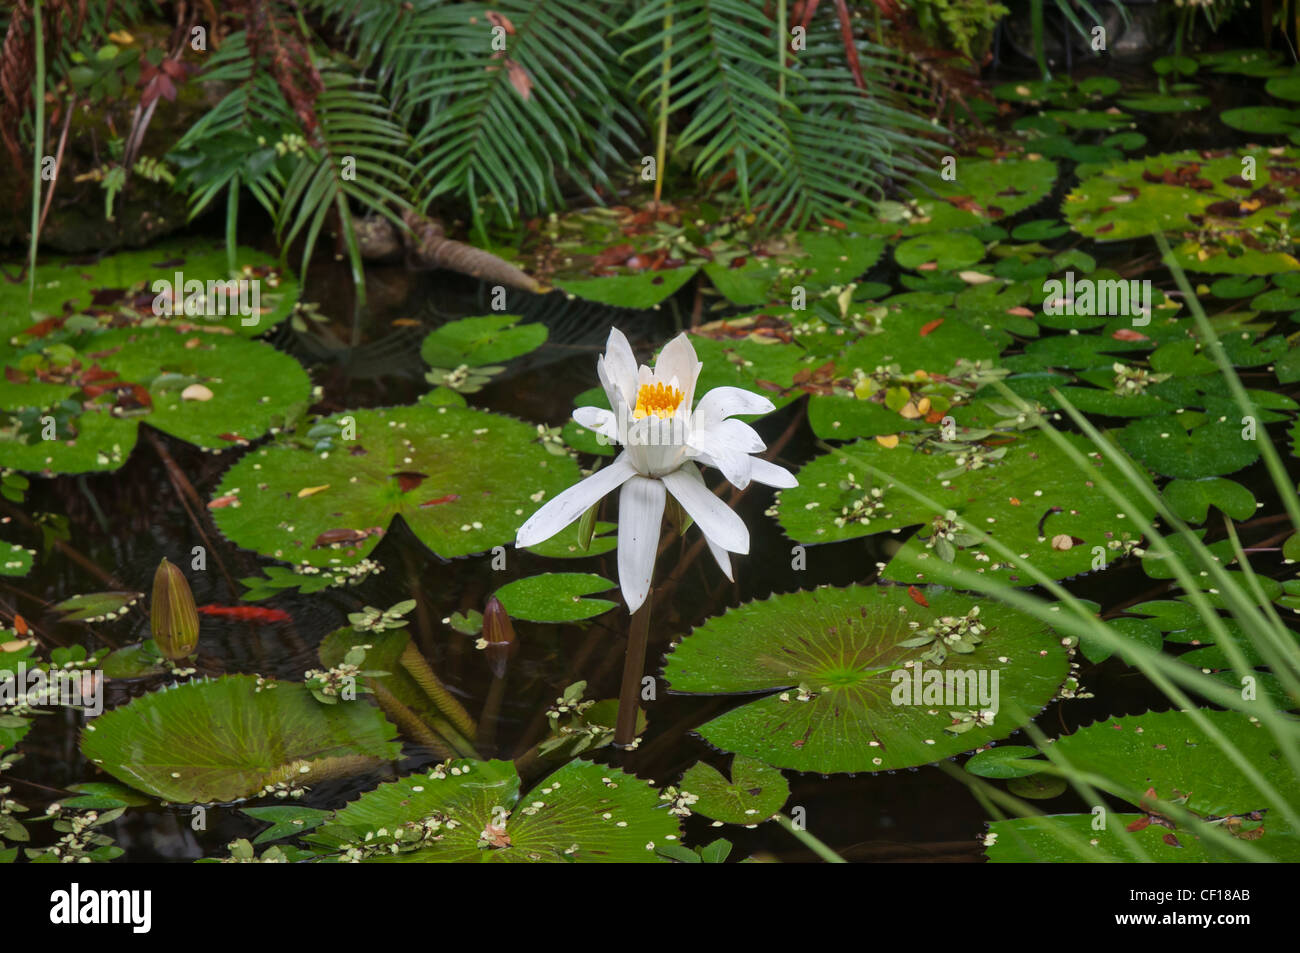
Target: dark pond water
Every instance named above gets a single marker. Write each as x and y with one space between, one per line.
124 522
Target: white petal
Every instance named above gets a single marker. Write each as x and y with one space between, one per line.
716 519
769 474
728 434
573 502
738 468
598 419
723 558
613 391
678 360
620 365
640 513
723 402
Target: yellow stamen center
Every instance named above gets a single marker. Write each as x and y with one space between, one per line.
661 400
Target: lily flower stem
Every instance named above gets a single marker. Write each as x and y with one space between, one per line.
491 713
638 636
809 841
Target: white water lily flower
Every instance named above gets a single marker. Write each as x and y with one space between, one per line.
664 435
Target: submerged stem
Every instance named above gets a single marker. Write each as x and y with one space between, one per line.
812 843
421 672
638 635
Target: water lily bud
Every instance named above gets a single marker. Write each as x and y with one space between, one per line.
499 634
173 620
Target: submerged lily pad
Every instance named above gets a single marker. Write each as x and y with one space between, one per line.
472 812
463 480
837 692
228 738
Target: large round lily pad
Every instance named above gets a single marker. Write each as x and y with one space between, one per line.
1033 500
472 812
831 665
464 481
228 738
214 390
1166 752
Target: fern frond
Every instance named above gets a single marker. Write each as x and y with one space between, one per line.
509 125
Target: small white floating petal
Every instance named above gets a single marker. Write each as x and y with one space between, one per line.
640 512
573 502
715 518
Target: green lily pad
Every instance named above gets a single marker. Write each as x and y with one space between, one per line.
96 606
1238 286
100 796
228 738
998 187
490 339
1204 203
15 560
753 794
244 387
567 545
641 289
1284 87
946 250
1004 761
1176 65
1025 840
1168 446
1033 500
831 664
833 417
555 597
121 288
1191 499
289 820
1262 120
583 813
134 661
1138 631
1167 752
1156 103
463 480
